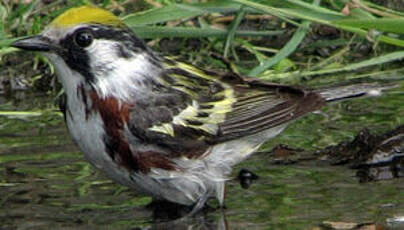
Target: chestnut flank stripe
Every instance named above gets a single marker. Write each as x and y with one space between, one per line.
117 146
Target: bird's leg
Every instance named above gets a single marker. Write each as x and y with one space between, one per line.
221 193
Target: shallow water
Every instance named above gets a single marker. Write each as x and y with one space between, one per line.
45 182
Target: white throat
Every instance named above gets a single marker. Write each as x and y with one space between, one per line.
69 79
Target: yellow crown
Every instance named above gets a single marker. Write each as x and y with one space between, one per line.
86 14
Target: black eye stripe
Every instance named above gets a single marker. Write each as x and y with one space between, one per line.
120 34
75 55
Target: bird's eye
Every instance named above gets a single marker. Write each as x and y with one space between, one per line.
83 38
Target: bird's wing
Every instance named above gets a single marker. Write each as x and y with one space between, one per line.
201 108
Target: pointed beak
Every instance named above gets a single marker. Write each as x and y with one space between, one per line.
34 43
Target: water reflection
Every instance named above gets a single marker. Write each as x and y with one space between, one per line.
200 222
45 182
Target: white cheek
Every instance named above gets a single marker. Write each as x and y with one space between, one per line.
118 76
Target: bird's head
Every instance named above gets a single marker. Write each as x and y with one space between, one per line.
92 47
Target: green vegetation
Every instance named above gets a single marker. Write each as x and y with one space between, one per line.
223 27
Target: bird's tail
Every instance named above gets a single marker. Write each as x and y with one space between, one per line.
353 91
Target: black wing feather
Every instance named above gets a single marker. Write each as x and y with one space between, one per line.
255 107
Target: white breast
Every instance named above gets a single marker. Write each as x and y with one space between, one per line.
87 130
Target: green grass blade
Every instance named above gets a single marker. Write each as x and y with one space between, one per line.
394 56
330 20
218 6
314 8
20 113
232 31
289 48
393 25
191 32
157 15
7 42
307 14
180 11
364 33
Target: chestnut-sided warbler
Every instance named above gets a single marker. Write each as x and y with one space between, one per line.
153 123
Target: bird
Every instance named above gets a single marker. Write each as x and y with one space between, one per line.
153 123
